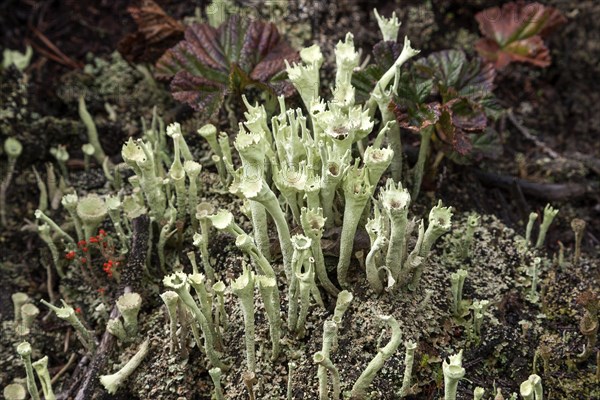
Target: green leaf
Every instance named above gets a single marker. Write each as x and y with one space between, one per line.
455 76
385 54
414 89
364 81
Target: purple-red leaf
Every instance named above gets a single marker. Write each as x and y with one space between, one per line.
238 54
200 93
515 31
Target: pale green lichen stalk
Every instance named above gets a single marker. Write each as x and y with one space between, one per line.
92 132
330 329
307 288
179 283
357 192
473 222
129 305
24 350
62 156
44 232
479 309
209 133
341 306
171 301
215 376
409 358
18 300
457 280
13 149
534 271
388 26
70 202
395 201
270 296
453 372
549 214
91 210
112 382
41 369
324 362
532 389
440 219
67 313
359 390
532 218
313 224
377 229
243 287
478 393
578 226
28 314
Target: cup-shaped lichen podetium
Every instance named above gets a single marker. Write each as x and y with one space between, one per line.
13 147
18 299
179 283
531 389
313 224
41 368
69 202
440 219
14 391
28 313
91 210
223 221
453 372
24 350
395 201
376 162
357 192
301 245
129 306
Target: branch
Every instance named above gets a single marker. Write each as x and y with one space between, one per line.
131 278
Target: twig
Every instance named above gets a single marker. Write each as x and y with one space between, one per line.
64 369
131 278
589 161
67 341
546 191
49 276
61 57
525 132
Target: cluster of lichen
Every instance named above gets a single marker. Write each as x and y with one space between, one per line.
308 173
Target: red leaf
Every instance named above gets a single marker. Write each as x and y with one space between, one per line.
515 31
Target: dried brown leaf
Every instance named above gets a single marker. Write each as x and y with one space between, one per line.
156 32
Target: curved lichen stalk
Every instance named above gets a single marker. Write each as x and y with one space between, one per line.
359 390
